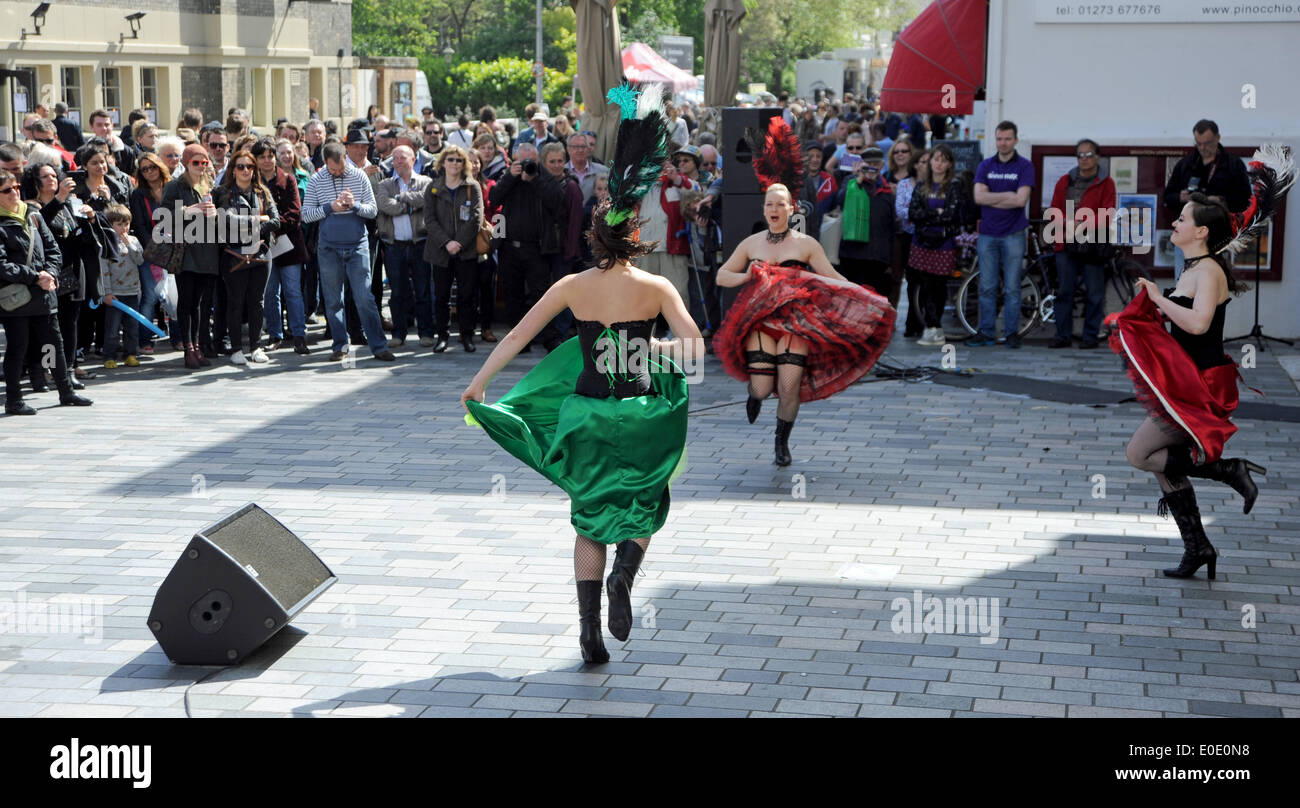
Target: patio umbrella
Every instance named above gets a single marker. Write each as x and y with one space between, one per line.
722 51
599 68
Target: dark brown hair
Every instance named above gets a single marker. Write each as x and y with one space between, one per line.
259 187
1213 214
613 243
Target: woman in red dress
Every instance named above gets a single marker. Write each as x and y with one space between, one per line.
798 325
1182 376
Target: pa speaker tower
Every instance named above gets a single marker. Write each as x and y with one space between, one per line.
237 583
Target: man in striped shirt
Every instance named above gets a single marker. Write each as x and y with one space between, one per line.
339 196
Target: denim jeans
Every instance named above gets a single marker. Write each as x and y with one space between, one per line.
120 325
409 288
1068 269
290 279
1002 259
148 301
351 265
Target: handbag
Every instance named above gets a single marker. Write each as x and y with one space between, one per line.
14 296
483 242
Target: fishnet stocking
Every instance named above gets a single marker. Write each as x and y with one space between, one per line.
589 558
1148 450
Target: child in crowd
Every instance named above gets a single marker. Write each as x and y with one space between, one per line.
119 279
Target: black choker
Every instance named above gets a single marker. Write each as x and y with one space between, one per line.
777 238
1187 262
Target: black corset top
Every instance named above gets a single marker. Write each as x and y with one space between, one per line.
615 358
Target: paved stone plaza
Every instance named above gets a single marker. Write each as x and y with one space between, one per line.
770 592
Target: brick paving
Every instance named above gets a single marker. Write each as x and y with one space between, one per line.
770 592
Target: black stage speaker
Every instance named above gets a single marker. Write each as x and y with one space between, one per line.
237 583
737 160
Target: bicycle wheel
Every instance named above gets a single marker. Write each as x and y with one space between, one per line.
968 304
1031 302
1124 276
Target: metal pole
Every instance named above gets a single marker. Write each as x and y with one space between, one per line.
541 72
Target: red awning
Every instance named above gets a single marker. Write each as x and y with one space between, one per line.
938 61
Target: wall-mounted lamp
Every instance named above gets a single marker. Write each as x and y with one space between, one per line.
38 19
134 20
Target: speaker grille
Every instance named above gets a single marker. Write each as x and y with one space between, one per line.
270 553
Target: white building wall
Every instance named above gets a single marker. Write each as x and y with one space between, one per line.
1146 84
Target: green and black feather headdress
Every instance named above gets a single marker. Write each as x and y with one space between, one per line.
641 149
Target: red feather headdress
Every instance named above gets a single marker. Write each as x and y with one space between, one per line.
778 156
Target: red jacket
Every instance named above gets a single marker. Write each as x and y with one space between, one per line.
676 242
1099 195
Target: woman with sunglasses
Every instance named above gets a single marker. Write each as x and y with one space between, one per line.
45 188
30 263
251 219
187 200
151 177
453 211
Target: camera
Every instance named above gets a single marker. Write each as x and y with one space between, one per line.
530 167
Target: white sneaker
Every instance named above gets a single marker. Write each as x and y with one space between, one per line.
237 358
398 343
259 356
931 337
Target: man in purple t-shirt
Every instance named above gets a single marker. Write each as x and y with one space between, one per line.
1002 186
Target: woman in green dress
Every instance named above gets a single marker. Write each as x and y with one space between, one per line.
603 416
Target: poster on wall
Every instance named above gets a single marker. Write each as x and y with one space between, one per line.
1137 220
1164 254
1124 173
1054 167
1246 258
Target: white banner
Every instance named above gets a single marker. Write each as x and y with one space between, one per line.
1168 11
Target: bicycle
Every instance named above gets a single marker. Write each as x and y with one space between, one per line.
1121 274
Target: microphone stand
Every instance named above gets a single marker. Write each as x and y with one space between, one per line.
1256 332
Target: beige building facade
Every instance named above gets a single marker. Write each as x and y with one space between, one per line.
267 56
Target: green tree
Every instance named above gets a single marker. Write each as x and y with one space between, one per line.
392 28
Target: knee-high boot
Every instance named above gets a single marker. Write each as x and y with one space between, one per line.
618 586
1234 472
1197 550
783 428
593 644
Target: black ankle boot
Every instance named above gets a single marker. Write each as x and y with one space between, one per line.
1236 474
752 407
1197 550
593 644
618 587
783 428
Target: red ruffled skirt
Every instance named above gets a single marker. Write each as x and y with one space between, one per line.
1184 398
847 326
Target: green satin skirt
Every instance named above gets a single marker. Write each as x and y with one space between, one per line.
614 457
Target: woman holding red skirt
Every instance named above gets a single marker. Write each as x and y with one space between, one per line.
1182 375
798 326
